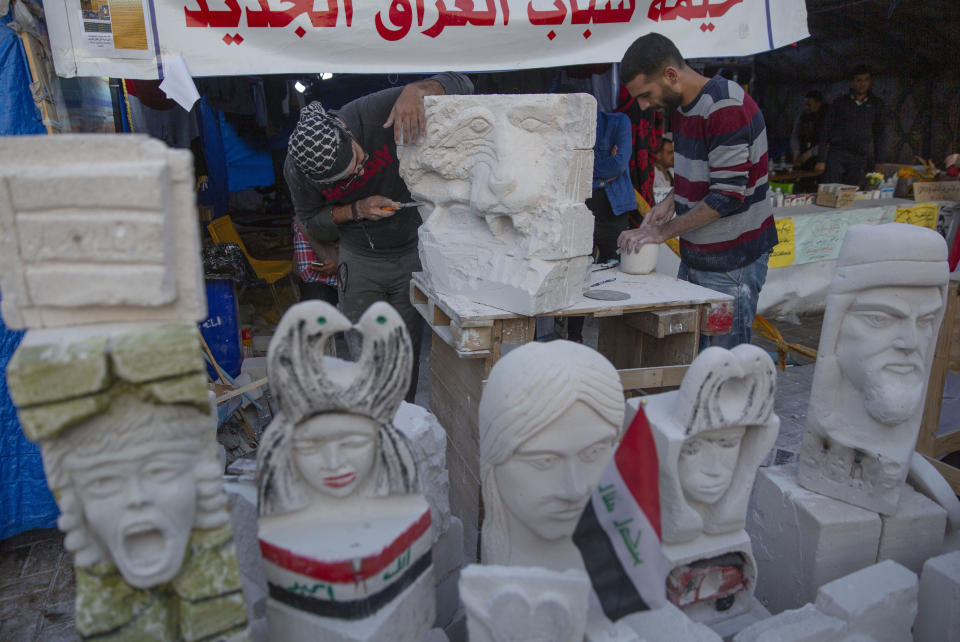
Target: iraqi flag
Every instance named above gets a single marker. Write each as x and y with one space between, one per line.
619 532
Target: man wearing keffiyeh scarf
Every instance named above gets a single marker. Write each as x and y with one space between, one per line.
342 171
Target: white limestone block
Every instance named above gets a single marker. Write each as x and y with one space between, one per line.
938 618
806 624
429 443
507 603
914 533
97 229
882 317
802 540
668 624
877 603
504 179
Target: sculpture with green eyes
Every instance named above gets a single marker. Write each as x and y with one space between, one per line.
883 313
128 437
504 179
711 436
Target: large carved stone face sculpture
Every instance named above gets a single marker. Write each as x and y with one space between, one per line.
139 504
883 348
552 474
335 452
883 313
707 464
334 437
504 180
549 418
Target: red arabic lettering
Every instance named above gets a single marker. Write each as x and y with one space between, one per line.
589 14
689 9
463 15
400 15
203 17
267 17
548 16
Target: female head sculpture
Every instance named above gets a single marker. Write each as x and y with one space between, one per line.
711 436
333 436
550 416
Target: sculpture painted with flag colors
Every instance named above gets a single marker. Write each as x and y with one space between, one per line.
346 541
711 436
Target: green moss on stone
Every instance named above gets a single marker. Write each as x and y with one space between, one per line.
54 372
43 422
211 567
158 353
205 618
191 389
105 602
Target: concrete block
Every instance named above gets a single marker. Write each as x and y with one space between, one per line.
914 533
429 443
877 603
938 617
802 540
97 229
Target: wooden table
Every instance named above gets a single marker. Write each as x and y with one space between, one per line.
650 337
786 177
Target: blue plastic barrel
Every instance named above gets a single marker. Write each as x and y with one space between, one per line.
221 328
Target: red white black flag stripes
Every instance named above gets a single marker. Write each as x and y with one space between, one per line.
619 532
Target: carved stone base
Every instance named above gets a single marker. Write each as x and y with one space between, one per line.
850 475
356 570
732 564
521 285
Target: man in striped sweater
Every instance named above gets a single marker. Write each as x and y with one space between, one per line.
723 217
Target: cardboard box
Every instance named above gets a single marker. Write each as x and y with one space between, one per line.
836 194
936 191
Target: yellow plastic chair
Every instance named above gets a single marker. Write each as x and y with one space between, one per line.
222 231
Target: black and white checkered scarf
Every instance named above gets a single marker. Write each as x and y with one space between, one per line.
320 145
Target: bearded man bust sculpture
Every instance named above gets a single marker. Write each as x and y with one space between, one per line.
346 541
711 436
883 313
128 437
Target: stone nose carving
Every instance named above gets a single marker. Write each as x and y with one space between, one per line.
489 187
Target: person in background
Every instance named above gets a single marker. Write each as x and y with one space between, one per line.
663 165
613 197
343 174
723 217
852 132
646 132
805 138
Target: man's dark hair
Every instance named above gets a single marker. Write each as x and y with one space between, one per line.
648 55
816 95
859 70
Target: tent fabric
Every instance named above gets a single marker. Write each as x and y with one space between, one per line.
25 501
18 113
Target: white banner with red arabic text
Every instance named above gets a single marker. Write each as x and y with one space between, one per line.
126 38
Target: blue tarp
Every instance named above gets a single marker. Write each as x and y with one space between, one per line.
25 501
18 113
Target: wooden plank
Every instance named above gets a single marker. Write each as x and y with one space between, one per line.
620 343
470 339
239 391
676 349
455 391
662 323
930 421
643 378
947 443
951 474
518 331
437 316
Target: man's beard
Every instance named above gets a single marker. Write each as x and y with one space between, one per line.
893 402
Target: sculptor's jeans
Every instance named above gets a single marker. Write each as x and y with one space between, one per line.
743 284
